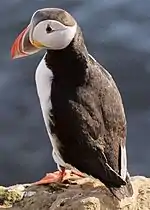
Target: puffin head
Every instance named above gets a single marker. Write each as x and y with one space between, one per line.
49 28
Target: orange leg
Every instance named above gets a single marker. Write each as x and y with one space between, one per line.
58 176
52 177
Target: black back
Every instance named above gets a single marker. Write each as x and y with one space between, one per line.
88 116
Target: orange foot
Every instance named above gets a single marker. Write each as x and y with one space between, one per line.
58 176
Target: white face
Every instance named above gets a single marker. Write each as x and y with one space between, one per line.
52 34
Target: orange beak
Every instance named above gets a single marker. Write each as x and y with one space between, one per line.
17 49
23 46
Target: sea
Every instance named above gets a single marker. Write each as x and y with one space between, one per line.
117 34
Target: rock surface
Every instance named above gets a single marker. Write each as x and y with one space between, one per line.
80 194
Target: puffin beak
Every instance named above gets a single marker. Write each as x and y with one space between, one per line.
22 46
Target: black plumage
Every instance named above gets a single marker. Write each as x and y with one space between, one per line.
88 117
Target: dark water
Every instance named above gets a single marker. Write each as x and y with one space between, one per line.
118 34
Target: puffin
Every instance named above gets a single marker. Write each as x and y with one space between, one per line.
81 105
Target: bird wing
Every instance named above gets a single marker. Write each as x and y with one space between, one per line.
121 133
101 130
119 123
91 126
97 155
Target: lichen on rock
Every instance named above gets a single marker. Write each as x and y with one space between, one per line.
11 195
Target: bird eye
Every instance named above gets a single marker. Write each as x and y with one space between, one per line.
48 29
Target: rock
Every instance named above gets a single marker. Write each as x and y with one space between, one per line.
79 194
10 195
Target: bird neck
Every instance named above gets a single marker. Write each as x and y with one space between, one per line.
70 64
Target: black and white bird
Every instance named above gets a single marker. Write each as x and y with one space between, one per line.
80 102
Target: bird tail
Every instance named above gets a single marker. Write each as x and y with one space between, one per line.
124 190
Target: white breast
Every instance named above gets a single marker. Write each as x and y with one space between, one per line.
44 78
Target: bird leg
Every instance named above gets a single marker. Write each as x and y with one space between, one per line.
58 176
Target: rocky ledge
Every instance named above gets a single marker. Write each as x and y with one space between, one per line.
79 194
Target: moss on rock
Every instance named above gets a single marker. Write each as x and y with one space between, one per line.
10 195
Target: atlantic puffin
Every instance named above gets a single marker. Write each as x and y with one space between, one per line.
80 102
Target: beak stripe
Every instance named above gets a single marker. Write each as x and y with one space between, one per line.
16 48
